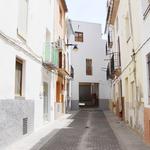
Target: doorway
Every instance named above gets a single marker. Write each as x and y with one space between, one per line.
88 94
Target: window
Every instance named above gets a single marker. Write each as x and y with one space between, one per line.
88 66
18 77
145 7
22 18
79 36
60 59
148 63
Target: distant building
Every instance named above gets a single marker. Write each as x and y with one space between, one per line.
89 86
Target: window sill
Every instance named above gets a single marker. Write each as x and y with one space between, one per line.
146 12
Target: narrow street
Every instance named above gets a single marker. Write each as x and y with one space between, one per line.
75 75
89 131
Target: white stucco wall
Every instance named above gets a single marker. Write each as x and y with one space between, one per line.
93 48
40 18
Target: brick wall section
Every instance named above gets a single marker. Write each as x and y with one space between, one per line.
147 125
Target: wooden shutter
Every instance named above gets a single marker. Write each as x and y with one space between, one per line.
18 78
60 59
88 66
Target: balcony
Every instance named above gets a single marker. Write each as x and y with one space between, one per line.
50 56
114 67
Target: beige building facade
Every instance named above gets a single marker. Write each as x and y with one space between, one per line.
127 25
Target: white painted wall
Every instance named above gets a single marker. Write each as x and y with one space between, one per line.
93 47
40 18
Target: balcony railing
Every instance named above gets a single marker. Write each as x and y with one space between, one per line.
114 67
50 56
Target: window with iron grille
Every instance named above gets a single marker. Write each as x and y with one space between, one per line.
88 66
79 36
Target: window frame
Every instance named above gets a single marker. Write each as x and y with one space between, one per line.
79 36
89 68
20 94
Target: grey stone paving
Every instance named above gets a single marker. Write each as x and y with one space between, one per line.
89 131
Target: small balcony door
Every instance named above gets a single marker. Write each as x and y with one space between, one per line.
45 103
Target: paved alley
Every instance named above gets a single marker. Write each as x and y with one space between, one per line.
88 131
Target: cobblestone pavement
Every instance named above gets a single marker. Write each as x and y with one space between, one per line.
89 131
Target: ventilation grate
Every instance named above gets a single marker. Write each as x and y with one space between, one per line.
25 125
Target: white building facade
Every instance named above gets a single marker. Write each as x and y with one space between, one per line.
29 61
89 85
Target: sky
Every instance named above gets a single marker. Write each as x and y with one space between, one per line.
87 10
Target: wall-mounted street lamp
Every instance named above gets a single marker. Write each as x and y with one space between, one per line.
75 47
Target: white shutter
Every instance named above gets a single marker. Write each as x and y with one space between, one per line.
22 18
